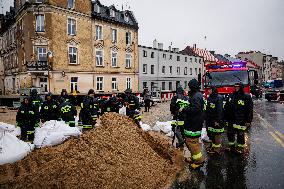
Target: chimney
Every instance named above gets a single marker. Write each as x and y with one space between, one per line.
160 46
155 43
194 46
170 48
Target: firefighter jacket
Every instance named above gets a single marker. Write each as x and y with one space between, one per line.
132 103
67 111
36 100
193 113
49 110
111 105
214 109
27 115
242 108
88 109
179 101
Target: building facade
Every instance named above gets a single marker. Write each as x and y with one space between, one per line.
166 69
74 45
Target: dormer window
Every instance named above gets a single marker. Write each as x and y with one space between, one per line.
126 18
71 4
112 13
97 8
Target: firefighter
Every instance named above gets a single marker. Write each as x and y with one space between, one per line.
242 115
178 101
132 106
64 97
112 104
49 109
68 112
214 119
27 117
193 123
36 100
88 115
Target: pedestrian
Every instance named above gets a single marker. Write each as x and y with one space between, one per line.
177 102
88 115
49 109
193 123
214 120
68 112
27 117
147 99
132 106
242 115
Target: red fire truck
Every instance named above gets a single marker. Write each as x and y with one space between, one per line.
225 75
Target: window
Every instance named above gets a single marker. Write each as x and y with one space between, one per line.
144 85
177 84
114 59
128 60
97 8
185 71
190 59
43 84
152 54
185 59
199 70
144 53
170 86
114 83
100 82
195 71
178 70
145 68
114 35
178 58
71 26
39 1
128 38
74 84
199 61
152 69
163 85
41 54
190 71
128 83
99 33
99 57
71 4
171 70
126 18
164 56
185 84
40 23
195 60
171 56
73 56
152 85
163 69
112 13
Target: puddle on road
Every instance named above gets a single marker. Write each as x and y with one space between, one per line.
276 113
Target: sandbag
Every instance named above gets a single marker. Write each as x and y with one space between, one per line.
12 149
145 127
52 133
165 127
12 129
122 110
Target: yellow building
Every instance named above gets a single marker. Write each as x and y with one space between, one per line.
83 43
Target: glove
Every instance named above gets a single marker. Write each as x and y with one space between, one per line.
37 125
217 124
247 124
180 110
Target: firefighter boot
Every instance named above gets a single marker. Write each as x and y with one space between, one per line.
240 142
231 139
196 154
216 145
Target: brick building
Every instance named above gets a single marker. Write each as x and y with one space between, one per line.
83 43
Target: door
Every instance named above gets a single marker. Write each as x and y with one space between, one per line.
43 84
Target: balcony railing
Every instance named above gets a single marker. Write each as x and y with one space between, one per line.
37 66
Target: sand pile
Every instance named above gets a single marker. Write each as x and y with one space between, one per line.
115 155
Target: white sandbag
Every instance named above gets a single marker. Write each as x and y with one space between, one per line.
145 127
165 127
53 133
122 110
170 134
12 149
12 129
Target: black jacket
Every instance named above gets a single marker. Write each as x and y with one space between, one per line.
132 103
241 107
27 115
88 108
49 110
36 100
177 102
214 109
67 111
194 117
111 105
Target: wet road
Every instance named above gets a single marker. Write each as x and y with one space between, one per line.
262 166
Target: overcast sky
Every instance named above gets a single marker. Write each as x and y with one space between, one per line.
230 26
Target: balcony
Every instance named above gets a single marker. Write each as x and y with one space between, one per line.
37 66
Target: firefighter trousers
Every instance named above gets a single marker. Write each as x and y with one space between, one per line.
27 133
235 130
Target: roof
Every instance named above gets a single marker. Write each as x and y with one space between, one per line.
220 58
203 53
119 16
